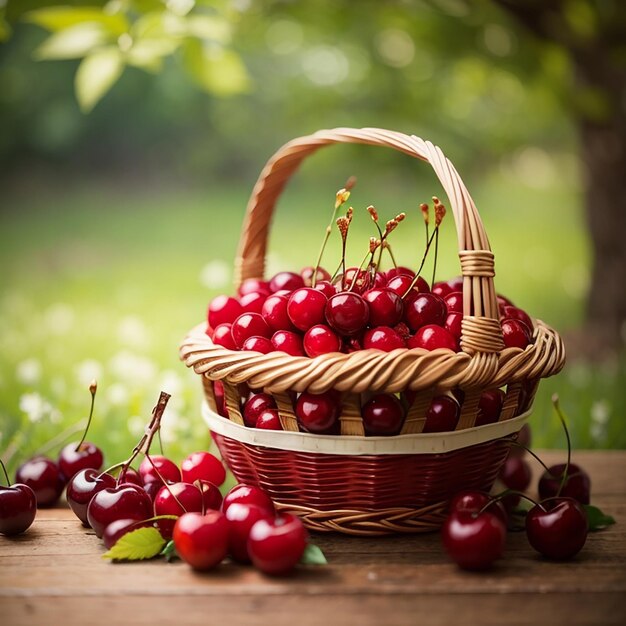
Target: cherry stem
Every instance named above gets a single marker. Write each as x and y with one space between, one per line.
393 258
160 441
417 274
146 440
155 468
110 469
6 475
436 253
509 492
521 445
93 387
559 412
358 271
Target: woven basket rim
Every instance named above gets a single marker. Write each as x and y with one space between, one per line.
419 443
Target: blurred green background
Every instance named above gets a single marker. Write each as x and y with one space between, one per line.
123 195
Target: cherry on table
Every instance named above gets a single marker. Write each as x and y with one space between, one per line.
289 342
176 499
383 414
276 545
382 338
432 337
320 339
347 313
557 528
44 477
247 494
122 502
201 540
474 541
18 507
82 487
241 518
75 457
317 413
158 468
211 496
471 501
577 484
203 466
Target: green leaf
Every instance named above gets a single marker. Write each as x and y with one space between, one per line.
96 75
313 555
208 27
143 543
169 551
216 69
596 518
61 18
72 43
148 54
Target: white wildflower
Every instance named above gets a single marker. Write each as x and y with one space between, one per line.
171 382
117 394
132 331
35 406
215 274
132 368
28 371
59 318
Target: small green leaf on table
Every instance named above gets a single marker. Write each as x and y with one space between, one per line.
169 551
596 518
313 555
140 544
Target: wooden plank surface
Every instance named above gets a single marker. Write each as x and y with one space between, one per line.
54 575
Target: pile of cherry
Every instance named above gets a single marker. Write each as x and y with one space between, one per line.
183 503
288 314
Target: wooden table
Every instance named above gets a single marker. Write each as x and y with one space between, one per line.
54 575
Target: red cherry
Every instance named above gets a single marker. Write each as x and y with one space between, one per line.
43 476
320 339
120 527
286 341
254 285
382 338
503 301
249 325
203 466
512 312
241 518
431 337
307 275
326 288
218 392
442 289
269 420
153 488
252 302
474 541
74 457
130 475
286 280
317 413
277 545
18 508
490 407
453 326
121 502
383 414
201 540
82 487
165 469
454 302
386 307
176 499
223 310
258 344
442 415
425 309
396 271
245 494
306 307
515 334
211 497
275 313
577 484
347 313
222 336
515 474
475 501
254 406
361 284
557 528
401 283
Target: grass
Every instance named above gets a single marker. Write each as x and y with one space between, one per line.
103 282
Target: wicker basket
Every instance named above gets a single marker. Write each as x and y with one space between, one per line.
374 485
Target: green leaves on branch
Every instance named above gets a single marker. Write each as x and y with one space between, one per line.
140 33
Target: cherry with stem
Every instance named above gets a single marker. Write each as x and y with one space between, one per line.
93 387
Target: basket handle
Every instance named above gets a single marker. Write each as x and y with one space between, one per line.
480 329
